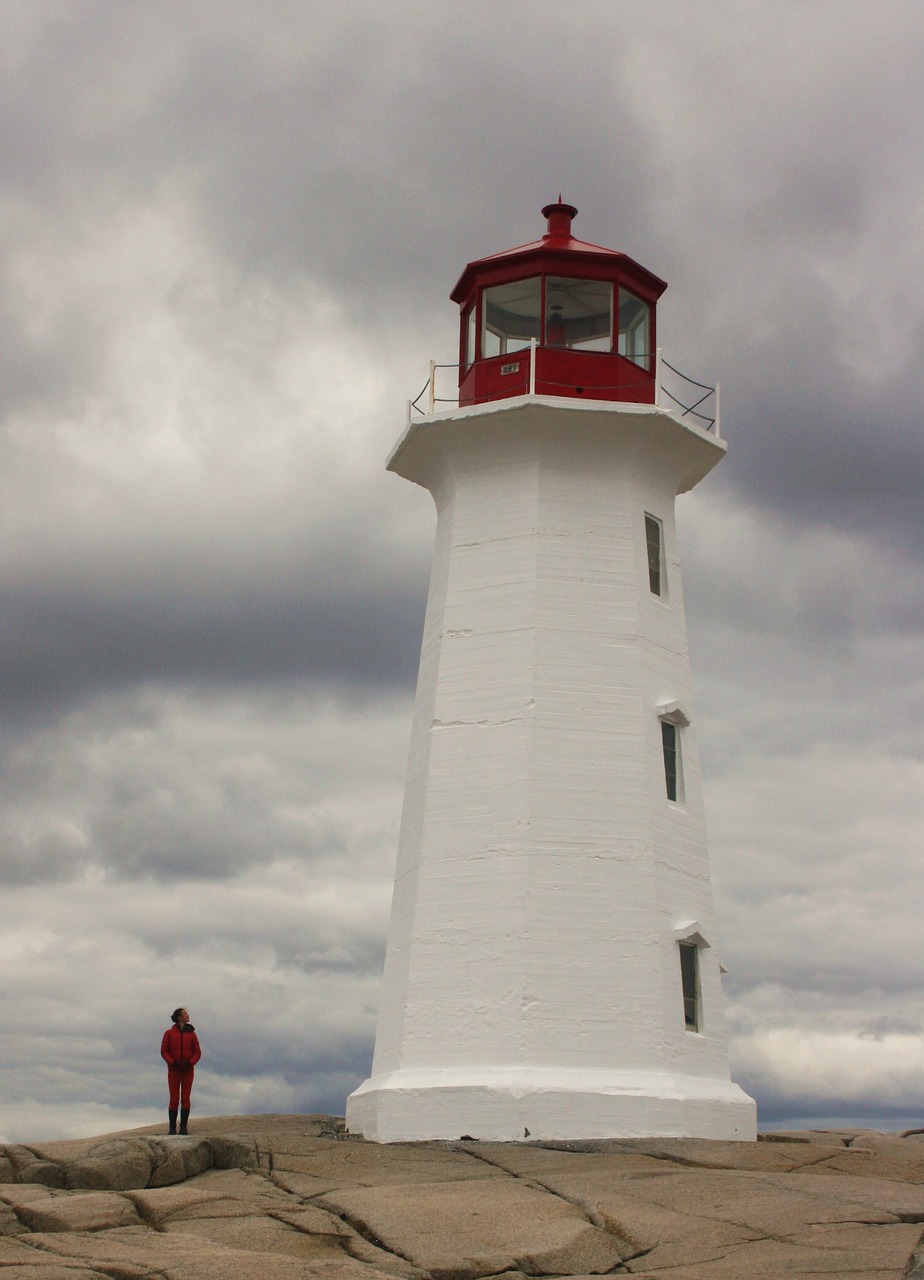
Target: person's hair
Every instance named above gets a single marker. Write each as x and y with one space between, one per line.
176 1013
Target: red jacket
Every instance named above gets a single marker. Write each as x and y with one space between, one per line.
180 1048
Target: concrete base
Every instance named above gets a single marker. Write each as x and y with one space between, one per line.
512 1105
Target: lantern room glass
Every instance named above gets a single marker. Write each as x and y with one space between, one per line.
510 316
579 314
634 329
468 329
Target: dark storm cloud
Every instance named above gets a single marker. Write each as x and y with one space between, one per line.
61 646
325 163
784 1110
161 788
370 196
825 446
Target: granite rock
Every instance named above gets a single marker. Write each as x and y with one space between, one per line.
291 1197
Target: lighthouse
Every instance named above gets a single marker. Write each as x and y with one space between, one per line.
552 968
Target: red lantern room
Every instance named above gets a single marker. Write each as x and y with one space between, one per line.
558 317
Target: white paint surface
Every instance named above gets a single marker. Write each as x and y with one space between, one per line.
532 978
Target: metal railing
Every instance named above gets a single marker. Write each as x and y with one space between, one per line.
428 392
704 408
673 390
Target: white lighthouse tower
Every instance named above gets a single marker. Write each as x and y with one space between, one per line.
552 968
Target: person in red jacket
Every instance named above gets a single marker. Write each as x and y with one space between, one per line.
180 1050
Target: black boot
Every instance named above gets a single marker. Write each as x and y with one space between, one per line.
171 1116
184 1116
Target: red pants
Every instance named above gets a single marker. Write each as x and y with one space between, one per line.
180 1081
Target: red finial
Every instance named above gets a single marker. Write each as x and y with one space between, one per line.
559 216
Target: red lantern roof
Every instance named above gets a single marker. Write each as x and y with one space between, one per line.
557 250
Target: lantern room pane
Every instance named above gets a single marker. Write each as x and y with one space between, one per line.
634 329
511 314
468 329
579 314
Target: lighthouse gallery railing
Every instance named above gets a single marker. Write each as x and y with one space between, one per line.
674 390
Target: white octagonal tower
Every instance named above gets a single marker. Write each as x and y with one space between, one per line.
552 968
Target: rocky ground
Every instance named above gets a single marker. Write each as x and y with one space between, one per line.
286 1197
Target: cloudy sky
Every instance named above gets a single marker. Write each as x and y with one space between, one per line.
227 238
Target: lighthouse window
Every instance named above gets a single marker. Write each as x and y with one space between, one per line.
670 745
469 330
653 540
511 317
689 980
634 329
579 314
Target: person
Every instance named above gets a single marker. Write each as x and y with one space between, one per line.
180 1050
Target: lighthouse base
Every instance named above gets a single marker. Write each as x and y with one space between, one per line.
501 1105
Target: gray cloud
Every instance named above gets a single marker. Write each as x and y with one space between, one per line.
92 644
